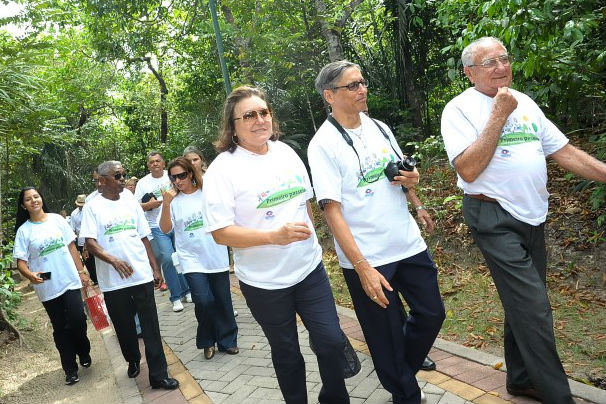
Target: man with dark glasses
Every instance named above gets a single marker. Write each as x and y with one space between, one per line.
149 193
378 242
116 233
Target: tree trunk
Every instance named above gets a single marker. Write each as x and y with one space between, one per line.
332 31
163 94
405 69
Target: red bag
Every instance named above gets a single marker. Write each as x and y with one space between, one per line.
95 307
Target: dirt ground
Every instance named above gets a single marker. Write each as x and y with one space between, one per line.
33 373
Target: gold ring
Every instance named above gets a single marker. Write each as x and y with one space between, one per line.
374 298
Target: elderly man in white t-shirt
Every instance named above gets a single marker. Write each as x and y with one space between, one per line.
116 233
497 139
378 242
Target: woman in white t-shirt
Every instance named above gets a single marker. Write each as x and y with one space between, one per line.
204 262
47 256
257 201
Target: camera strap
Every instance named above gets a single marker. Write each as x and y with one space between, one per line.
349 141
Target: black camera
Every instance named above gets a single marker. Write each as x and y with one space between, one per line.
393 168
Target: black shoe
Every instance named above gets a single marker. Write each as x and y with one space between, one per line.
428 364
71 378
85 361
209 352
234 350
527 391
166 384
134 368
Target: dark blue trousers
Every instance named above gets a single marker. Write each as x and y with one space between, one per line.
122 304
275 310
214 310
66 313
398 345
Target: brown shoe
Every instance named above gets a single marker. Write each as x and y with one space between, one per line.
209 352
527 391
234 350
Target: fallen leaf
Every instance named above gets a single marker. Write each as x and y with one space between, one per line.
497 365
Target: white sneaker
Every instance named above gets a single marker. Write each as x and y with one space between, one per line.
177 305
235 313
423 398
188 298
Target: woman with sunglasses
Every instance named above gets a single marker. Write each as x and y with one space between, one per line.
257 201
47 256
204 262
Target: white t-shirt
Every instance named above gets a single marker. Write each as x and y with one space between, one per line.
517 174
118 226
196 249
263 192
76 220
156 186
44 246
376 212
93 195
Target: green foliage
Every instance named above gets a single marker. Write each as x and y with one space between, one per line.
428 152
9 299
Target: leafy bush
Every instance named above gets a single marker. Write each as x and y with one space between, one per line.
9 299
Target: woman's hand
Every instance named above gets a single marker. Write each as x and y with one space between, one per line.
35 278
291 232
406 179
168 196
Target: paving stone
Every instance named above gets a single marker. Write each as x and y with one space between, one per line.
264 381
365 388
449 398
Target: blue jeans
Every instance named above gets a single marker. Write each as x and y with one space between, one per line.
162 246
275 310
214 310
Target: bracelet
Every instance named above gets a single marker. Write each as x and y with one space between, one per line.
358 261
81 272
420 207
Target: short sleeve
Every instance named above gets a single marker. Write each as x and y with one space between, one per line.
325 173
66 230
88 228
142 224
457 131
219 203
20 246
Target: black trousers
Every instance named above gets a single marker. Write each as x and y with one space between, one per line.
398 345
275 310
66 313
122 304
515 254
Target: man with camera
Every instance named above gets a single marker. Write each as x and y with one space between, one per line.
378 242
149 193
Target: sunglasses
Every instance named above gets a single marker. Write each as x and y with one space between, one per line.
252 116
117 176
180 176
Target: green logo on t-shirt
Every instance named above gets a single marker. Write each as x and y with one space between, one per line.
371 176
54 246
517 138
281 196
194 225
128 224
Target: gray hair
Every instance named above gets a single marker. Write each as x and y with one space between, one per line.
107 167
330 74
469 53
154 153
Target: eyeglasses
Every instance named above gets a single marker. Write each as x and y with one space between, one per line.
117 176
492 63
180 176
252 116
354 85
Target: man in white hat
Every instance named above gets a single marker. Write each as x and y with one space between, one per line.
76 218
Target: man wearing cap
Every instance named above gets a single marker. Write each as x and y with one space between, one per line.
76 220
